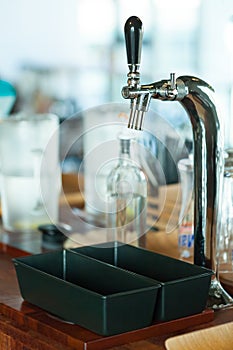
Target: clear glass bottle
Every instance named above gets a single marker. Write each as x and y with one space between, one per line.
126 197
186 217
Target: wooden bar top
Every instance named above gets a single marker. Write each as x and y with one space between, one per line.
26 327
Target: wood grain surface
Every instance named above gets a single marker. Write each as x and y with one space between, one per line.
213 338
26 327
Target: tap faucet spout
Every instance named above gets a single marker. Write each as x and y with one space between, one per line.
140 96
196 96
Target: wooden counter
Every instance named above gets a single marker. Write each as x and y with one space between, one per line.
26 327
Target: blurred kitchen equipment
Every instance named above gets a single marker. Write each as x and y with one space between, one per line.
7 98
29 171
195 96
99 135
225 254
52 236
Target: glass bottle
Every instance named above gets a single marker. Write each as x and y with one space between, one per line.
126 197
186 217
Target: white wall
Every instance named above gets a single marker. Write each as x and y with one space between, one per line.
43 32
48 32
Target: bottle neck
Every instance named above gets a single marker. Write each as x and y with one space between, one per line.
124 149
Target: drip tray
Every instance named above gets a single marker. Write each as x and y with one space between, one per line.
77 288
184 286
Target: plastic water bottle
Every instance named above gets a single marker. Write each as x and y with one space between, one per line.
186 226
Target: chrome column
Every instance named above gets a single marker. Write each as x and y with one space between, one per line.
196 96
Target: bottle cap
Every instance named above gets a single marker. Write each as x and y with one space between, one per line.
125 139
52 237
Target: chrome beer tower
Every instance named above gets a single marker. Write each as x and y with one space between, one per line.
196 96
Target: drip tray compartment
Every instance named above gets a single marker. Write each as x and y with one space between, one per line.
77 288
184 286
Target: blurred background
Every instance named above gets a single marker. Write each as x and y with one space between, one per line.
65 56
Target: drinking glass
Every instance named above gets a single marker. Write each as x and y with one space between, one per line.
30 174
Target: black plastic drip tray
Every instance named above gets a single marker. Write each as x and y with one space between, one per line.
100 297
184 286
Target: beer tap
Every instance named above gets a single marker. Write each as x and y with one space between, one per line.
197 98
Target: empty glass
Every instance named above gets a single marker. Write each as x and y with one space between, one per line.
30 175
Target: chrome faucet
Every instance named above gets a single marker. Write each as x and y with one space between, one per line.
196 96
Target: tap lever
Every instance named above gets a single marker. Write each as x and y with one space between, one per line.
133 39
171 90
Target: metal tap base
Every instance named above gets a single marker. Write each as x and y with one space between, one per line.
218 297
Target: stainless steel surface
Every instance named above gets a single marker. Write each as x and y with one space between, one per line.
196 96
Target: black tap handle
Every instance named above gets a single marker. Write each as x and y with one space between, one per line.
133 39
